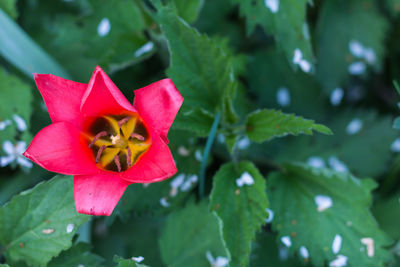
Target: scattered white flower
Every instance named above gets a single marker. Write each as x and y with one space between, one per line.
283 97
272 5
70 228
304 252
337 165
47 231
316 162
270 215
305 65
286 241
164 202
336 244
104 27
323 202
15 153
395 146
198 155
356 48
298 55
298 60
369 56
138 259
81 265
340 261
357 68
243 143
354 126
369 242
191 180
217 262
21 124
147 47
183 151
4 124
175 184
336 96
244 179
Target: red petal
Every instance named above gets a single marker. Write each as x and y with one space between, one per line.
155 165
61 148
62 97
98 194
103 97
158 104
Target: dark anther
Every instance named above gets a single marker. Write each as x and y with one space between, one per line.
128 157
137 136
116 160
99 152
99 135
123 121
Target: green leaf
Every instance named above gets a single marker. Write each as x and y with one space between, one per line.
393 6
197 120
15 99
20 50
127 262
313 206
188 235
349 22
78 255
188 10
387 213
9 7
39 223
287 23
242 210
201 70
263 125
396 123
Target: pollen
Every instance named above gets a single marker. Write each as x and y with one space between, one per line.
117 141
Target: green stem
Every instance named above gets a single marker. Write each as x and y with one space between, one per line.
207 149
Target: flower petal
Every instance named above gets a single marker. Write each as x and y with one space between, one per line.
155 165
61 148
62 97
8 147
103 97
98 194
158 104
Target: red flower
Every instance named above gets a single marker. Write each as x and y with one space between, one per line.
106 142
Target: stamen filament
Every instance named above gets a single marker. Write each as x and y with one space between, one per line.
99 152
137 136
116 160
128 157
99 135
123 121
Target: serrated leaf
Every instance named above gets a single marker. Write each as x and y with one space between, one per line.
13 40
242 210
197 120
352 23
39 223
15 99
263 125
201 70
286 20
188 10
188 235
312 206
9 7
77 255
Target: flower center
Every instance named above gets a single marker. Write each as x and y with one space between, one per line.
117 141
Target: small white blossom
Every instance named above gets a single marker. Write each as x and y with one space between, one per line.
191 180
316 162
298 60
304 252
21 124
164 202
283 97
104 27
323 202
340 261
244 179
138 259
336 244
336 96
70 228
337 165
395 146
356 48
243 143
217 262
147 47
357 68
272 5
354 126
183 151
4 124
286 241
14 153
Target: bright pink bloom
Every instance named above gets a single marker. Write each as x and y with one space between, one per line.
106 142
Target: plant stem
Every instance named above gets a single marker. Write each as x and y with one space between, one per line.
207 149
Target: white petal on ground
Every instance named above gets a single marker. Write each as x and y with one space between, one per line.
104 27
323 202
336 244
